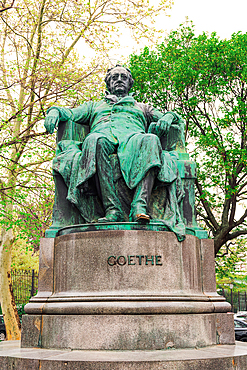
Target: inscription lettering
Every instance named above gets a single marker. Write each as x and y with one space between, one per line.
133 260
140 259
157 260
121 260
150 260
130 260
111 261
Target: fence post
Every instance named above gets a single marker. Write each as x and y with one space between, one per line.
32 287
239 305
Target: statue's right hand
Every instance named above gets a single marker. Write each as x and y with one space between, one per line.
51 121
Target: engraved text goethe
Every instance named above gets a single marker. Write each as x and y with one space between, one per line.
153 260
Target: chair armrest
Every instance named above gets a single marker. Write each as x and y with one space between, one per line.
174 140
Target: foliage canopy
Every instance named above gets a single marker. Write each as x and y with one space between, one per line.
204 78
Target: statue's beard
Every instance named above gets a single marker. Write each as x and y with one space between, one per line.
120 91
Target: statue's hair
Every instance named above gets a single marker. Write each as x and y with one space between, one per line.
109 72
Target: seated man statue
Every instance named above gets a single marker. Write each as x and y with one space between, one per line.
118 124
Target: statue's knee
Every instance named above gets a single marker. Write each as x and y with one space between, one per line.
152 139
103 144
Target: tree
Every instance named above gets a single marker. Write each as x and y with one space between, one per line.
230 266
204 78
24 257
39 67
6 6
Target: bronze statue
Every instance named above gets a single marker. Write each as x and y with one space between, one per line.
119 125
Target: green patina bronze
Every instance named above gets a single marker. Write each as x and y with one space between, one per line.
119 160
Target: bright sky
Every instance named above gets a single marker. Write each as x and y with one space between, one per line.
223 16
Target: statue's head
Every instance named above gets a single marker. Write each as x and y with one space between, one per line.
119 80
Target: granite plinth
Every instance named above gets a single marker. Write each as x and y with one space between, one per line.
126 290
222 357
124 332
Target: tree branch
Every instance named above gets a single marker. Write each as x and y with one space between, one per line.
235 234
7 7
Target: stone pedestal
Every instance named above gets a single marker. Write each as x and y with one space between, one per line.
227 357
126 290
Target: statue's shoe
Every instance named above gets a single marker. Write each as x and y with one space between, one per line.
142 218
112 216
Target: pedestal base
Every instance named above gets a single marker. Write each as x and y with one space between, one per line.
126 290
228 357
125 332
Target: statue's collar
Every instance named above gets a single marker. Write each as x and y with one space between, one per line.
113 99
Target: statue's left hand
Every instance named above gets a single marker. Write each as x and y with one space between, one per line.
162 126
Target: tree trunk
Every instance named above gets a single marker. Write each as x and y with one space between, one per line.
10 314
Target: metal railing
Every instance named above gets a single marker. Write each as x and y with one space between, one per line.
236 298
25 285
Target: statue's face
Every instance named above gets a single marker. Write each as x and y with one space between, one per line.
119 82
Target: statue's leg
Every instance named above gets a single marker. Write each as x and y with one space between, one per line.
111 203
141 198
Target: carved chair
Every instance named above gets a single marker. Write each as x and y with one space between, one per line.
65 214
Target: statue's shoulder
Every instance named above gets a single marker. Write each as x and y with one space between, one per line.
147 110
143 106
90 103
90 106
